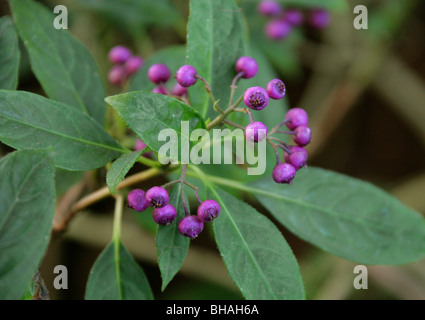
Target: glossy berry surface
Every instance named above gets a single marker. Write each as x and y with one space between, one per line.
276 89
269 8
159 73
208 210
296 117
256 98
117 75
248 66
165 215
119 54
302 136
190 226
133 65
319 18
278 29
186 76
157 197
298 157
256 132
284 173
136 200
179 91
160 90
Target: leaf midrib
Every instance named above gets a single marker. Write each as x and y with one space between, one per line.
117 263
21 186
104 146
243 241
269 193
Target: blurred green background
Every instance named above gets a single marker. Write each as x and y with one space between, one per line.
364 90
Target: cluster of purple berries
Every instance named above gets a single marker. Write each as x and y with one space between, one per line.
296 120
159 74
125 65
282 21
295 156
164 213
255 98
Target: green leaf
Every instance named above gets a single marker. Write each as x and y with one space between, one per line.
117 276
65 179
215 41
172 247
326 4
30 121
256 255
148 113
133 15
174 57
120 168
64 67
27 204
346 217
9 54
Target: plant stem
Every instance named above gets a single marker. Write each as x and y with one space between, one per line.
102 193
148 162
286 132
234 87
233 124
223 116
275 150
182 181
274 130
119 204
171 183
196 190
207 88
284 148
280 141
116 237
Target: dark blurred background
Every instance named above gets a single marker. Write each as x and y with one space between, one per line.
365 92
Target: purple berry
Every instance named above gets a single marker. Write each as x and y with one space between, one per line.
256 132
248 66
298 157
296 117
159 73
160 90
278 29
208 210
256 98
294 17
117 75
136 200
186 76
190 226
294 149
269 8
157 197
320 18
284 173
133 65
165 215
139 145
276 89
302 136
179 91
119 54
